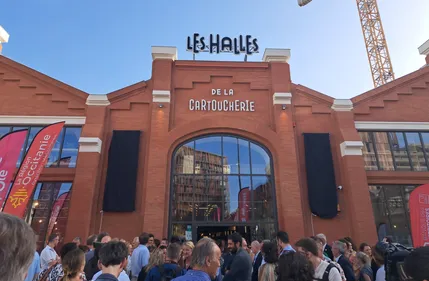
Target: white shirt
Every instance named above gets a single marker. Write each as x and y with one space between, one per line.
48 255
122 277
381 274
334 273
337 258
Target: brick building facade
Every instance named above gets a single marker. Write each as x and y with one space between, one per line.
271 112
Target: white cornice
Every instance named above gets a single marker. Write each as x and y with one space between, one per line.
169 53
376 125
276 55
351 148
90 144
97 100
424 49
342 105
161 96
41 120
282 98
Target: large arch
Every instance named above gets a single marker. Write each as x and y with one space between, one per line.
221 182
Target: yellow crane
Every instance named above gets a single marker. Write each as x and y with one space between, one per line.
375 41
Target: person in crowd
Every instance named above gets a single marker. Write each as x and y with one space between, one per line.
267 272
338 250
55 272
327 250
170 269
17 244
364 264
73 264
355 264
350 243
205 262
175 239
151 241
221 244
328 260
135 242
49 256
283 242
157 258
378 253
91 267
129 247
227 258
257 259
349 251
262 245
416 264
241 266
77 240
185 260
364 247
247 248
157 243
151 249
140 257
322 269
34 269
113 261
84 248
164 242
90 243
294 266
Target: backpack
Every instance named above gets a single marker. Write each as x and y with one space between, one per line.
326 273
168 274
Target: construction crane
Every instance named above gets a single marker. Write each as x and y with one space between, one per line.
375 41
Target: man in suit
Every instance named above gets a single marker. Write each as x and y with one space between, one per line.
327 250
338 250
257 260
241 266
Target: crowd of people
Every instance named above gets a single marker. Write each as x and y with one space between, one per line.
149 259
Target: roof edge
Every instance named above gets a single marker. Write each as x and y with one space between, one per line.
314 93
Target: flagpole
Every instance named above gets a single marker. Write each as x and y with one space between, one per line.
101 221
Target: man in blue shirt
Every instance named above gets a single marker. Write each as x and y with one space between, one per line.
34 269
283 242
140 257
205 262
170 269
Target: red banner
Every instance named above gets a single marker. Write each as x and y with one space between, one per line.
10 148
31 168
243 204
419 215
56 209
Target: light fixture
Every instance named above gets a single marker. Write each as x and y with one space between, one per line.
284 106
40 221
160 105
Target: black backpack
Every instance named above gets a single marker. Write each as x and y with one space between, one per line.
168 274
326 273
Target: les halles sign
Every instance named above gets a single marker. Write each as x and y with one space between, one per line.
217 44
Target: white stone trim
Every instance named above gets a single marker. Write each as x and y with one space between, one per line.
282 98
276 55
342 105
376 125
161 96
90 144
169 53
4 36
41 120
351 148
424 49
97 100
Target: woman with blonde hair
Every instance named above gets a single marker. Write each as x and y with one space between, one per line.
73 264
185 260
267 272
363 262
157 258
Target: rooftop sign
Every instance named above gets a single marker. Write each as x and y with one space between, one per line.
217 44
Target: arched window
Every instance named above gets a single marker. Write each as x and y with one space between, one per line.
222 180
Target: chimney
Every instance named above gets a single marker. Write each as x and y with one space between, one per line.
424 50
4 37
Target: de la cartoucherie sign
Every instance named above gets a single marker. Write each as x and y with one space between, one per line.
216 44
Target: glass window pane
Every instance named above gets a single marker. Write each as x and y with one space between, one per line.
260 160
21 155
179 230
70 147
182 197
244 155
4 131
400 153
368 151
184 159
230 155
55 153
208 198
31 135
237 199
265 231
383 151
263 198
208 156
416 152
425 137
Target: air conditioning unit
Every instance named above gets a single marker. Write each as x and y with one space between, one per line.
303 2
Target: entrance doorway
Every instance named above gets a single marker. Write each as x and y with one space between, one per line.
218 233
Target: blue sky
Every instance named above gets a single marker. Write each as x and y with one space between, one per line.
102 46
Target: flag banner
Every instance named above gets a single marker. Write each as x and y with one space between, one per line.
10 148
31 168
244 204
56 209
419 215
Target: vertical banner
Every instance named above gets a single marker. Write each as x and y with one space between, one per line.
419 215
243 204
31 168
10 148
56 209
